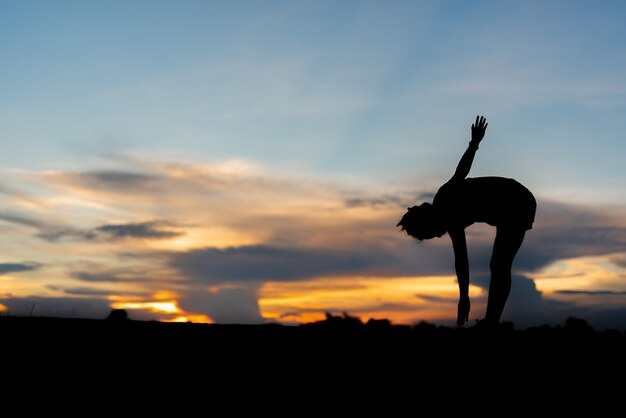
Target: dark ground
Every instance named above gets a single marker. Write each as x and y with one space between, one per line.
317 363
334 334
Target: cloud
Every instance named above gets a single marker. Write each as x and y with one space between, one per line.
561 231
321 239
106 276
151 230
426 196
232 305
246 226
86 291
19 195
436 299
64 307
20 220
55 234
526 305
384 200
143 230
589 292
567 231
619 260
385 307
73 307
259 263
81 291
6 268
46 230
115 181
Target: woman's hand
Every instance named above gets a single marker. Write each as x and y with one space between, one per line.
478 129
464 309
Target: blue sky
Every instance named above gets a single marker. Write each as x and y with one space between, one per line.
365 98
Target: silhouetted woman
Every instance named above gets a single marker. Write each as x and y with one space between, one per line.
497 201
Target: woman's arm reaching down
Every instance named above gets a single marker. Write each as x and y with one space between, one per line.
461 264
478 132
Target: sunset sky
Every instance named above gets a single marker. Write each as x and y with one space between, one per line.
247 161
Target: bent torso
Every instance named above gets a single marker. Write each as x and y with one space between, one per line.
497 201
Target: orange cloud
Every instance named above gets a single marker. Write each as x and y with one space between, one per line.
167 307
235 206
584 274
403 300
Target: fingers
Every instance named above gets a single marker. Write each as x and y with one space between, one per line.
480 123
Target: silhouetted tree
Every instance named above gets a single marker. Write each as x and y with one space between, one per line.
577 326
378 323
118 315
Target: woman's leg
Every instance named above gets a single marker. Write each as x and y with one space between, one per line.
506 245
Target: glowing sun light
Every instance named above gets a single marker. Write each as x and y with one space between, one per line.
166 307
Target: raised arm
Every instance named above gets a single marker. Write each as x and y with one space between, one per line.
461 264
478 132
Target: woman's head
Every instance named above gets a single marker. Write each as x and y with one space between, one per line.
422 222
